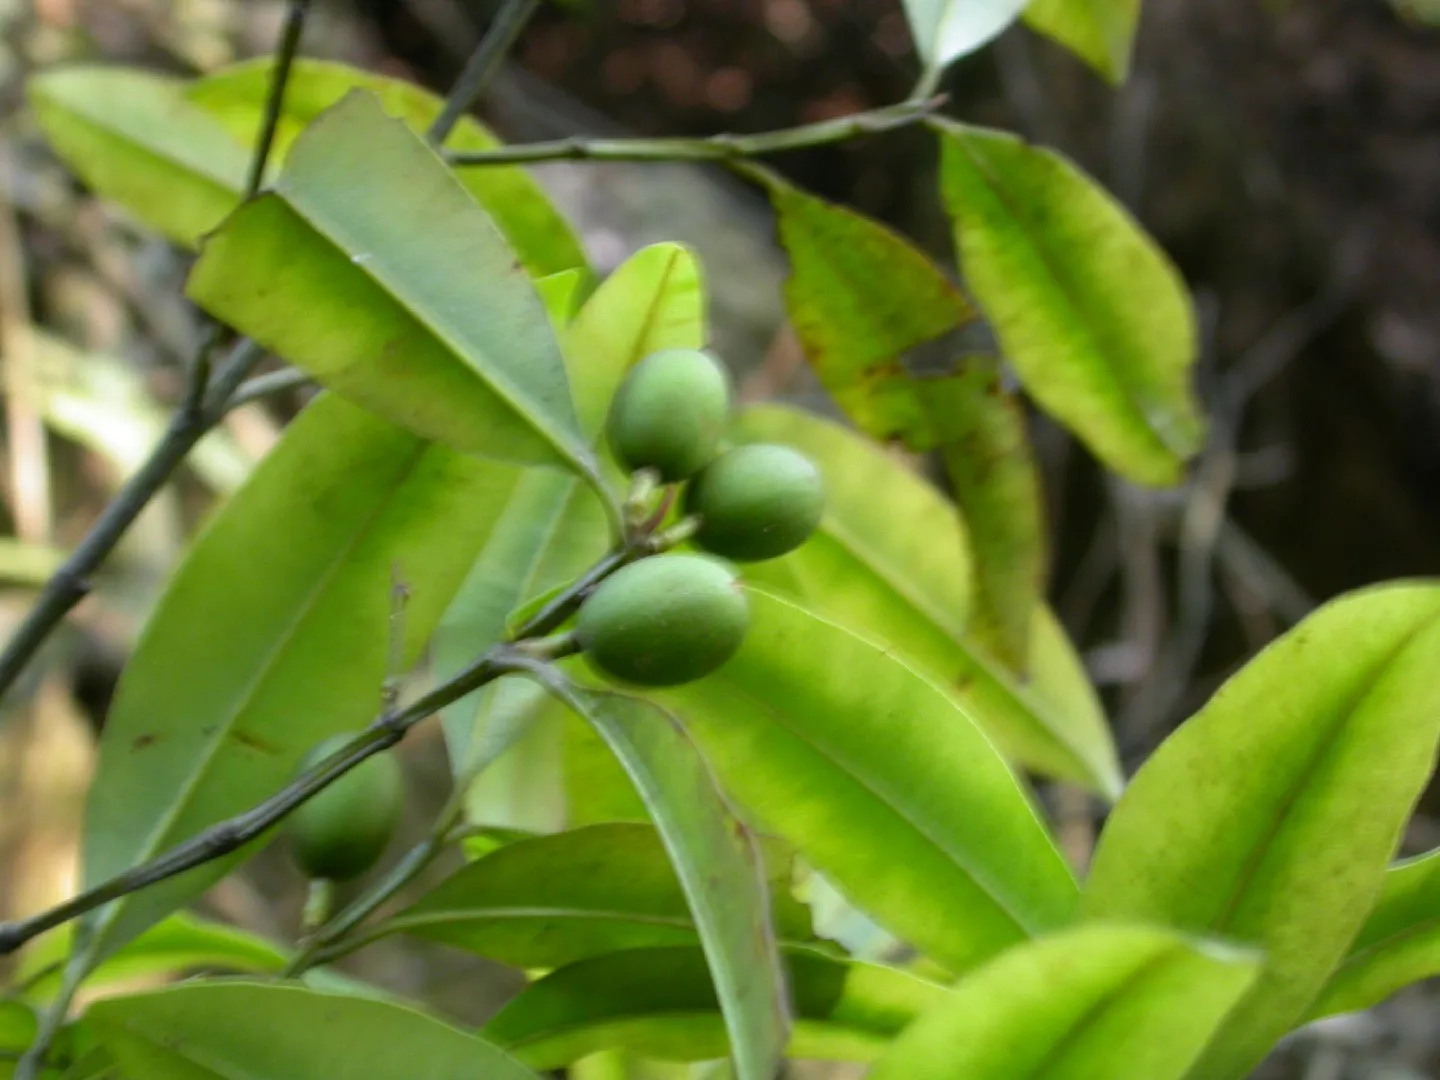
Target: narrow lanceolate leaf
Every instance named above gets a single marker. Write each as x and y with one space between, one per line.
229 1029
718 864
273 635
235 97
1095 1003
890 558
1398 945
370 267
981 434
945 30
1100 32
134 139
882 782
1268 818
1087 308
860 297
181 942
552 900
660 1003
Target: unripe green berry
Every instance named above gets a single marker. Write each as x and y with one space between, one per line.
342 831
756 502
665 620
669 413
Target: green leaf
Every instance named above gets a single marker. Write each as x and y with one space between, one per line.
1094 1003
1268 818
983 441
18 1024
134 139
1086 306
273 635
1100 32
180 942
1398 945
659 1003
946 30
371 268
890 557
860 296
718 864
232 1029
552 900
882 782
235 97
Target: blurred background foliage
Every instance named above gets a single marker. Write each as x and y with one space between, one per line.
1286 153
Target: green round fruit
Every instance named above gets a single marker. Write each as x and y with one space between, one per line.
341 832
665 620
756 502
669 413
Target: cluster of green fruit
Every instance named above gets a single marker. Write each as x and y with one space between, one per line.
660 621
671 619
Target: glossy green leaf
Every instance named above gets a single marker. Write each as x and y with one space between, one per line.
273 635
659 1003
180 942
235 97
1398 945
882 782
981 434
1268 818
890 559
1085 305
945 30
552 900
372 269
234 1029
860 296
1100 32
596 787
1095 1003
133 138
719 866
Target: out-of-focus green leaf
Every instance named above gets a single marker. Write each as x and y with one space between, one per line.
179 942
596 787
981 435
133 138
223 1030
659 1003
1398 945
18 1024
861 296
1086 306
1100 32
214 712
889 559
882 782
370 267
945 30
1094 1003
552 900
1268 818
235 97
719 866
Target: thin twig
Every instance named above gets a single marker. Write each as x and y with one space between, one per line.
482 65
268 385
711 148
290 33
71 583
229 836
